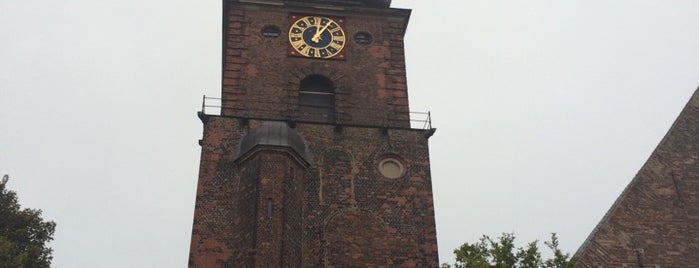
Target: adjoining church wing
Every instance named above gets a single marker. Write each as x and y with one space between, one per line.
655 220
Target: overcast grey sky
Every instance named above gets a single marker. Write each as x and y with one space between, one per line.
545 111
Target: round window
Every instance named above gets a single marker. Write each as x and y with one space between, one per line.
391 168
271 31
363 38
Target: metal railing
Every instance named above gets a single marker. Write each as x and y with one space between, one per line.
421 120
214 106
217 105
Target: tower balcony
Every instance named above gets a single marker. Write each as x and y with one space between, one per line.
213 106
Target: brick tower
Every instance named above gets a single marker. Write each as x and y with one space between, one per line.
312 161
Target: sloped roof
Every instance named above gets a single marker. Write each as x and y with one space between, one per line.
273 134
655 220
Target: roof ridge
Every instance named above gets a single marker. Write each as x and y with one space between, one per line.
685 110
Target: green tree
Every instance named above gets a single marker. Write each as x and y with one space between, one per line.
501 253
559 259
23 233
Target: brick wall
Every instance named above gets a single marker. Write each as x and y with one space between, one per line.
261 79
349 216
331 207
655 221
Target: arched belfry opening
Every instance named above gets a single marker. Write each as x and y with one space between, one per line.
317 99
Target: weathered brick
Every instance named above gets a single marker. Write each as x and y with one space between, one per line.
336 209
655 221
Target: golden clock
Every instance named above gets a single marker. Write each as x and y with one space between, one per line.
316 37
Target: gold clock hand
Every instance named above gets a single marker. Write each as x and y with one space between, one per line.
316 37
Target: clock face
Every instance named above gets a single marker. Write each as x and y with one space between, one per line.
316 37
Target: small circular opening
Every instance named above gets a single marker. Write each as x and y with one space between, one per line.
391 168
363 38
271 31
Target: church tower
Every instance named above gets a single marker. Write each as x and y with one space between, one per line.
312 160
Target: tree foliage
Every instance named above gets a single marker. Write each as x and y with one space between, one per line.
501 253
23 233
